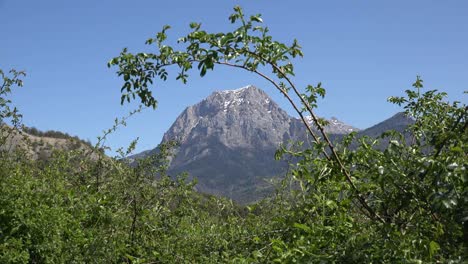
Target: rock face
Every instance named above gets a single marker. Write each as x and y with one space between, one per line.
228 141
242 118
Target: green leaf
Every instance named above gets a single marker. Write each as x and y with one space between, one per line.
433 248
203 70
256 19
303 227
195 26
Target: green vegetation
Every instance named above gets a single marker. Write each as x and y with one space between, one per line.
404 203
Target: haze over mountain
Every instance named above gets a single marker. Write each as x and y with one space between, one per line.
228 140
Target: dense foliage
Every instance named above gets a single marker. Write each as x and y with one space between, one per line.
406 202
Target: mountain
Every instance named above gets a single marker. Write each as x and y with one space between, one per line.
398 122
228 141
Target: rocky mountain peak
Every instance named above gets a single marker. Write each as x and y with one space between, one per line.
235 117
237 92
245 97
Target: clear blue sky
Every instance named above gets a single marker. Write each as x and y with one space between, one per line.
362 51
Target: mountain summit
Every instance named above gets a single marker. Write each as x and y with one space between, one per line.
242 118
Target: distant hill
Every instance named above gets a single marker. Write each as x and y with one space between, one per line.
398 122
39 145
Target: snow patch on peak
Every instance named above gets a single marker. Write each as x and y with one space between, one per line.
235 91
234 102
233 97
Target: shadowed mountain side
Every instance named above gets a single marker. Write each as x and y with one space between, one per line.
238 173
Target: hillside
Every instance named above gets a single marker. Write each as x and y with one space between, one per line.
39 145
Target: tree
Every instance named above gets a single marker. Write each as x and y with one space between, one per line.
8 82
406 202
